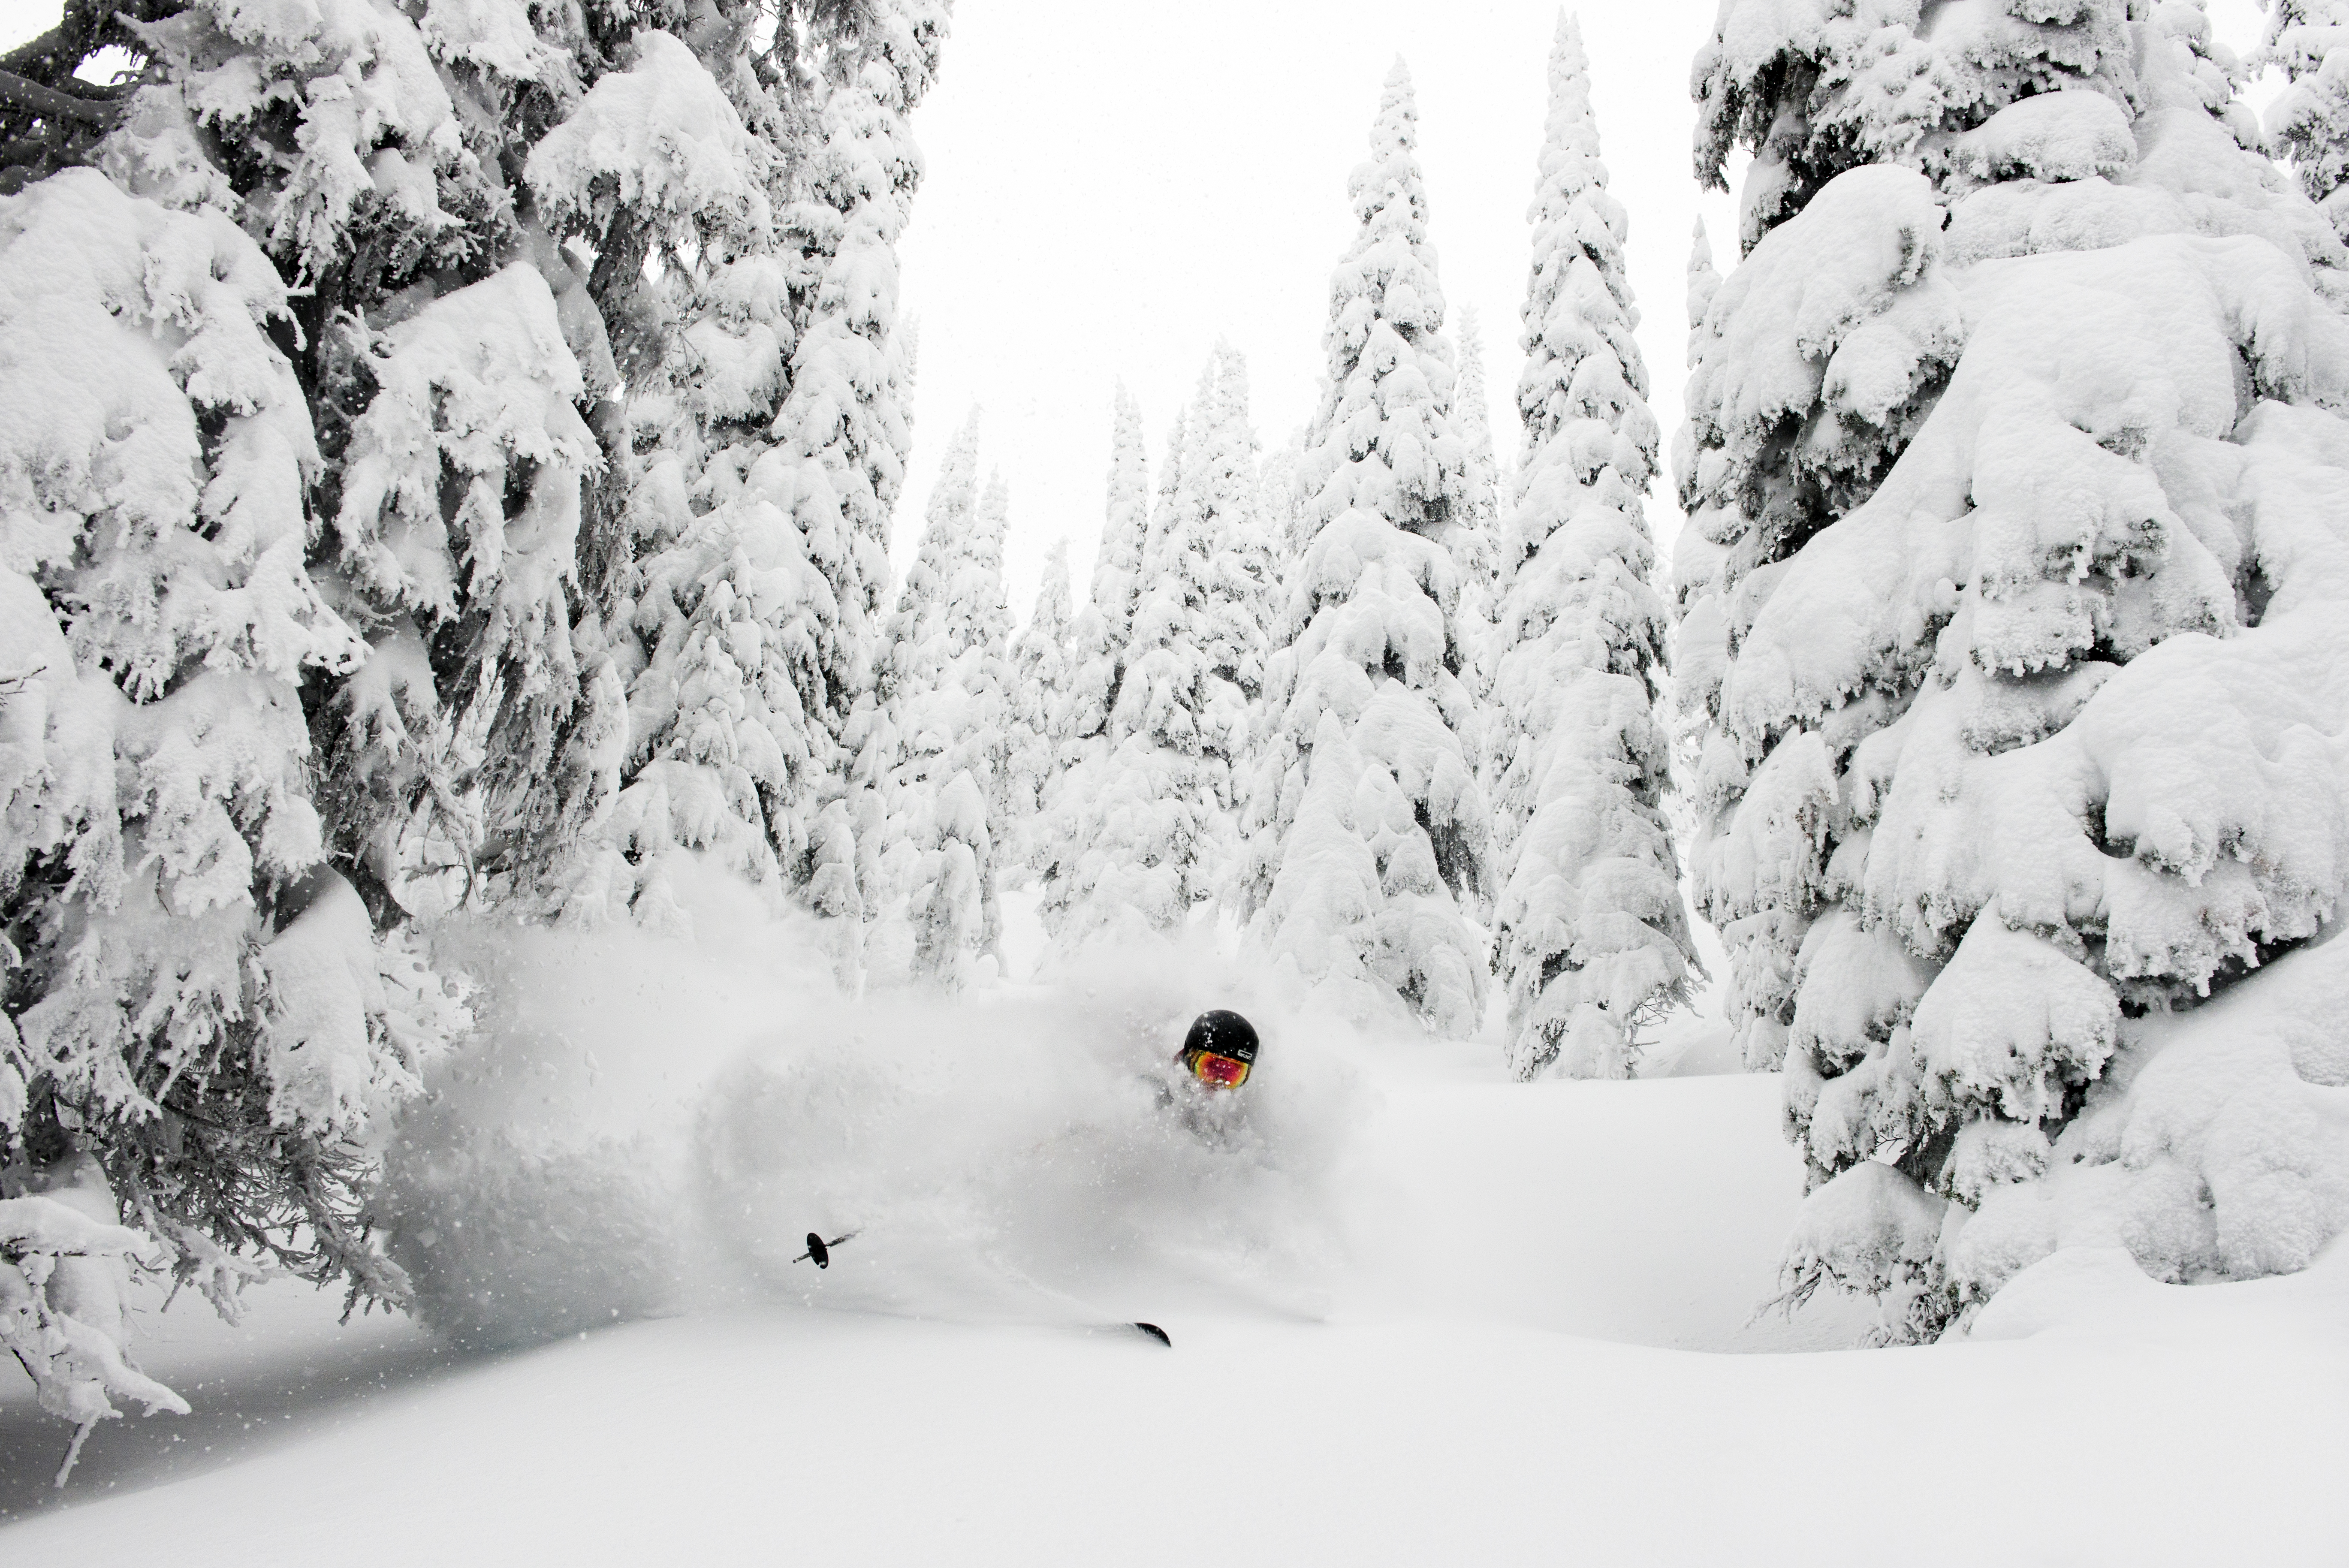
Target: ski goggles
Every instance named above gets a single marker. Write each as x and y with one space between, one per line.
1219 1072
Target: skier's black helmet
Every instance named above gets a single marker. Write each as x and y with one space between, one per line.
1223 1034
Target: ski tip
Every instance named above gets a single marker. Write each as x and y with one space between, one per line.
1157 1333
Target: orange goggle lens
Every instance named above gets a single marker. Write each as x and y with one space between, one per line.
1219 1072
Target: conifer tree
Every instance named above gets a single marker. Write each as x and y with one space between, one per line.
1479 548
1040 660
1375 838
201 1024
466 232
2309 122
945 688
1107 622
782 432
1996 572
1752 493
1284 511
1152 831
1098 666
1704 282
1592 943
1172 495
1243 553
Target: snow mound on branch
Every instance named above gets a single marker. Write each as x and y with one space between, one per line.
355 1016
660 135
62 1280
1843 305
497 35
2068 135
375 123
651 1123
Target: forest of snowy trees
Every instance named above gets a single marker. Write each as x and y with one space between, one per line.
452 466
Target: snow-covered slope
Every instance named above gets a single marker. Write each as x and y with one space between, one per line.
1486 1374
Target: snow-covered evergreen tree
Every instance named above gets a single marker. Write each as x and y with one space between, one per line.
470 227
946 690
1040 659
2014 521
782 427
2309 122
1097 671
1765 462
1171 493
1284 510
1478 547
1150 830
195 1001
1704 282
1106 623
629 165
1591 940
1243 552
1372 842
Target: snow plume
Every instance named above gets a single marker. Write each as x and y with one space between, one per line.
1368 829
651 1124
2014 587
1592 943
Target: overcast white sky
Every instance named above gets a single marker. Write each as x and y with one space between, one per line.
1113 186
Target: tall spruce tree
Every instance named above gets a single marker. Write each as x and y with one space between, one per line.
199 1022
1040 666
776 434
1243 552
1098 672
1592 943
1374 843
1479 548
1151 829
1999 567
946 686
1704 282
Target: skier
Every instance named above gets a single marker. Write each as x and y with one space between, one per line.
1220 1049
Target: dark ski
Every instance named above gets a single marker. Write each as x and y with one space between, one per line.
819 1252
